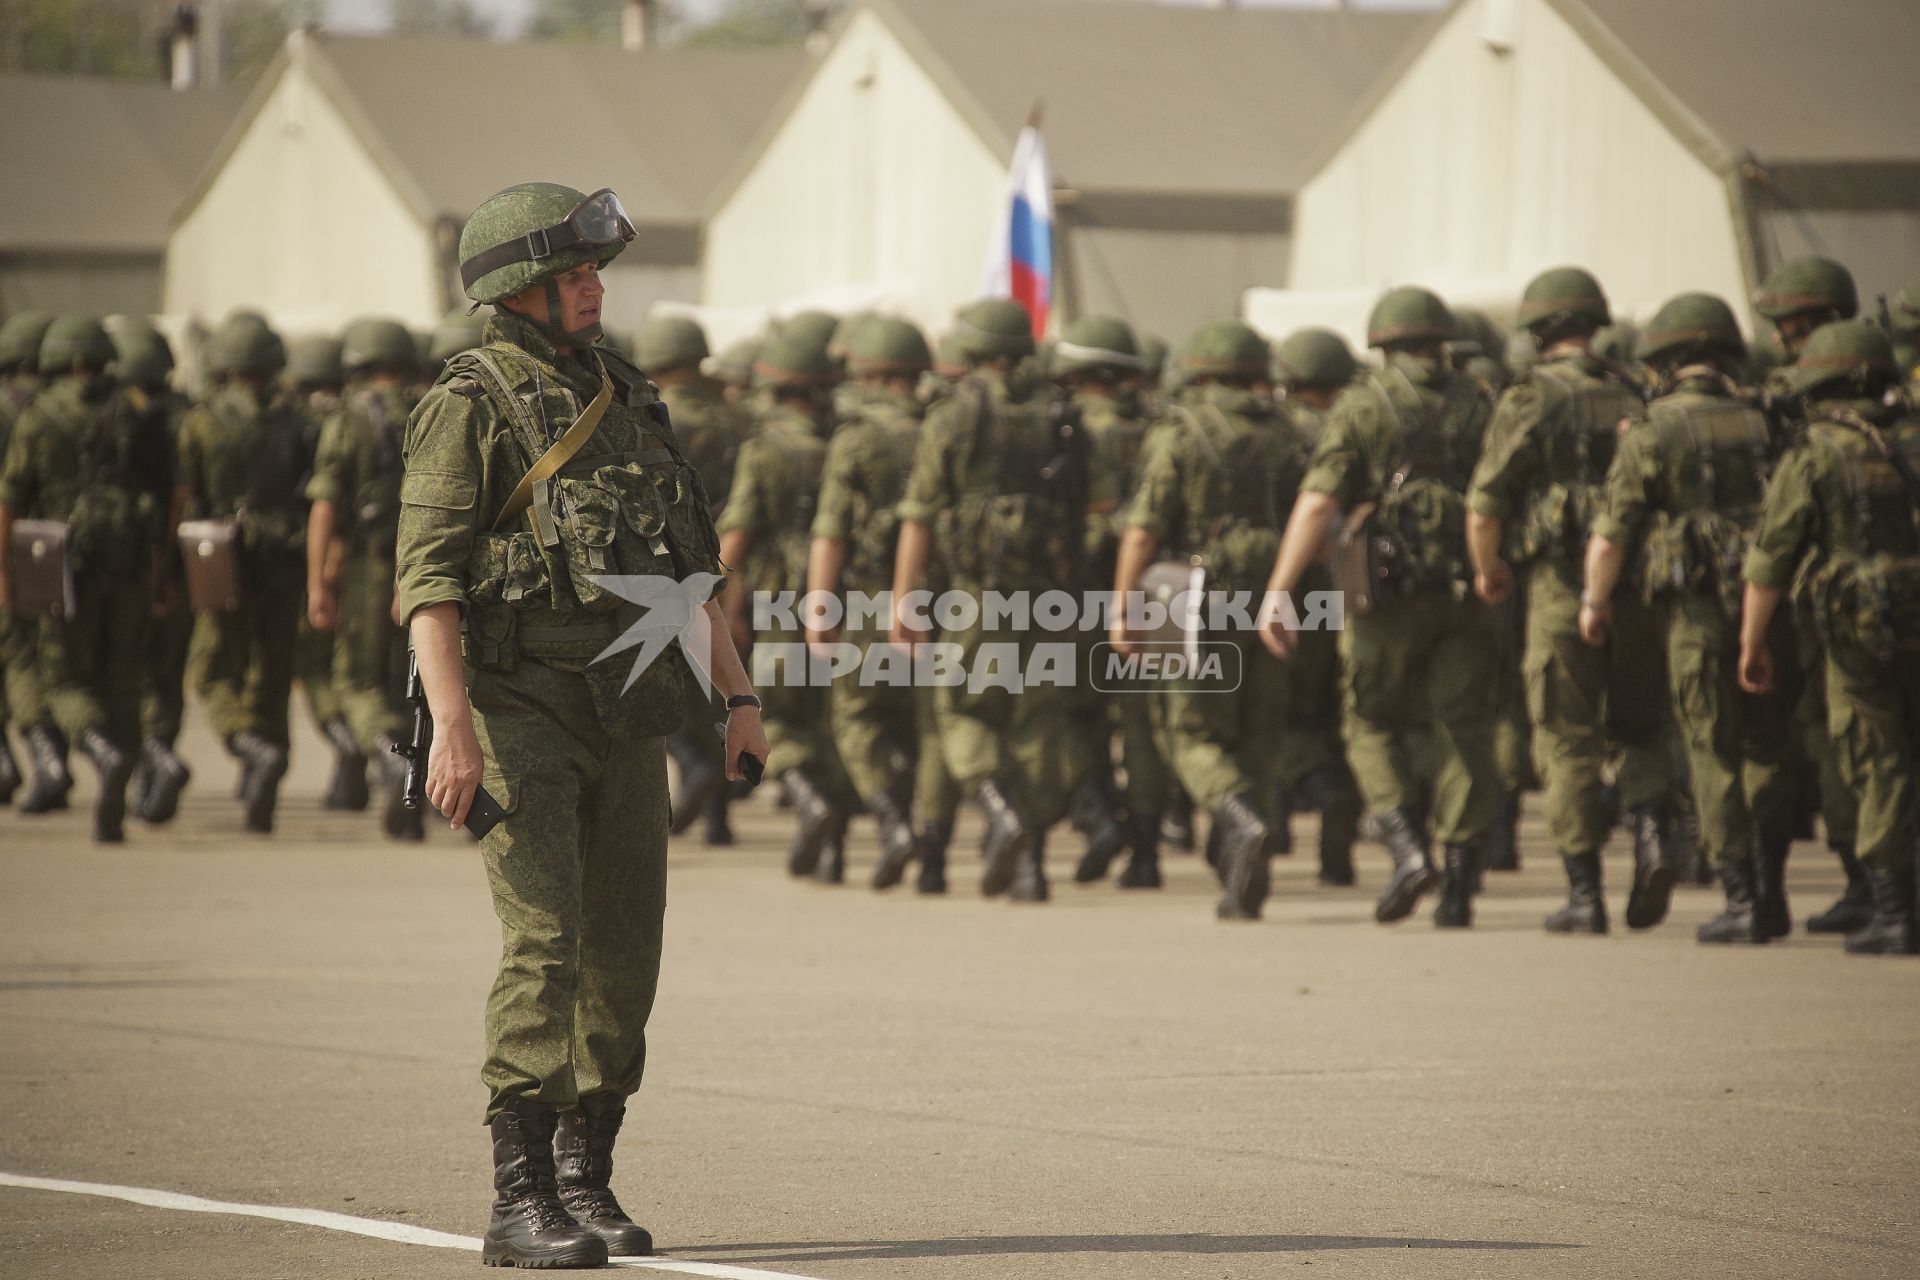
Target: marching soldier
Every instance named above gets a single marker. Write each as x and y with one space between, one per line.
22 699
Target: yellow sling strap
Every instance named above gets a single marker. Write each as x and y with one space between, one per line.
560 452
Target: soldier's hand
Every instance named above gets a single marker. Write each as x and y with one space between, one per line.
323 608
746 734
1593 626
1756 669
903 634
1123 638
453 769
1274 625
1496 584
821 639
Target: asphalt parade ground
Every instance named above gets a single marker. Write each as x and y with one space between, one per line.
226 1056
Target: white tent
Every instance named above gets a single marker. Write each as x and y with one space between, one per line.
1664 145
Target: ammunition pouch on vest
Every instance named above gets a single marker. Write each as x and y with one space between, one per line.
1865 604
1696 553
1557 526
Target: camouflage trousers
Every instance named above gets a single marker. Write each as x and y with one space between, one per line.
1739 745
20 680
1426 662
1594 706
876 730
1227 742
797 714
578 871
1023 736
1839 809
163 696
1873 720
242 664
370 654
90 663
313 669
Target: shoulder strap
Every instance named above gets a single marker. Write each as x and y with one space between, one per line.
1884 446
561 451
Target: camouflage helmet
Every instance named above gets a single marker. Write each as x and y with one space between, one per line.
1905 311
1315 358
846 332
313 360
1154 351
1852 352
949 359
20 338
1224 348
794 358
670 342
246 344
459 330
734 365
815 327
75 342
1096 342
1409 314
1692 320
1808 284
142 355
375 342
887 345
1562 294
991 329
536 231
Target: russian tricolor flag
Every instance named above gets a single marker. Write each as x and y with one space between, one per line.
1020 263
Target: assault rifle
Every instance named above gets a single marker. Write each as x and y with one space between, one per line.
485 813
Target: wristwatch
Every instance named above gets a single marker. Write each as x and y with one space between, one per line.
743 700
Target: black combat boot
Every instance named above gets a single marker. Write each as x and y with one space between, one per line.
1176 824
1892 930
1413 873
116 769
815 814
1007 839
1503 848
1095 814
265 764
832 865
9 768
1245 845
1770 902
1455 908
1586 909
1852 910
1653 874
1737 923
1143 863
530 1227
1684 850
1030 871
347 789
719 824
933 858
897 843
167 776
583 1156
1339 806
702 772
398 821
1280 842
49 782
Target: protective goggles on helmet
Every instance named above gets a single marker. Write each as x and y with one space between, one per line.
598 222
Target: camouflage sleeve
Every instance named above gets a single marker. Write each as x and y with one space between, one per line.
18 483
833 513
1339 467
931 488
1510 457
1787 524
1631 485
332 478
747 500
1157 504
449 465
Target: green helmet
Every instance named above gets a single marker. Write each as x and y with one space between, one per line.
670 342
950 360
246 344
1692 320
1316 358
794 358
20 338
1409 314
75 342
373 342
846 333
1562 294
1615 341
1097 342
1850 352
734 366
1906 313
535 231
886 345
1808 284
142 355
991 329
313 360
1154 351
1224 348
815 327
459 330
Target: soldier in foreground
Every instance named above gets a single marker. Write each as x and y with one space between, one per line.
1850 497
531 467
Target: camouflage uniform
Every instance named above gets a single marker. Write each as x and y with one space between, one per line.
21 699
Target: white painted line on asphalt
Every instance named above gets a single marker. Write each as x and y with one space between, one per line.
398 1232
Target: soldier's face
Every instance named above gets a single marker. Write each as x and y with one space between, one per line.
580 295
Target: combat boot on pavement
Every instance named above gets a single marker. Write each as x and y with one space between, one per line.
1770 895
933 858
832 866
1094 813
815 814
398 821
1030 871
1586 909
1176 824
116 770
1007 841
347 789
1653 874
1339 808
583 1158
1413 872
897 843
1246 844
49 781
1143 863
263 765
1852 910
1892 930
1503 848
167 776
530 1227
1737 922
9 768
1455 908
